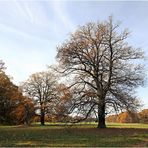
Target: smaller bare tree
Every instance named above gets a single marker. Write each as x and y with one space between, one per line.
41 88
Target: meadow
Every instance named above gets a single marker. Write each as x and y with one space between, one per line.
77 135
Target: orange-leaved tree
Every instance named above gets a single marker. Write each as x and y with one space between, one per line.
24 111
143 116
11 99
128 117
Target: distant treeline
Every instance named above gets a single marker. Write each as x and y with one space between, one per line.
129 117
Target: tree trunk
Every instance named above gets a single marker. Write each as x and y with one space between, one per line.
42 119
101 117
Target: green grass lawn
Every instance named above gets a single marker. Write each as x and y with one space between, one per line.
82 135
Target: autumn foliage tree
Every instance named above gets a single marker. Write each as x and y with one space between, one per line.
143 116
10 100
7 90
112 118
127 117
105 69
24 111
64 103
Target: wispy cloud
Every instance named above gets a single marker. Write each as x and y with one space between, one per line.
59 8
25 9
20 9
18 32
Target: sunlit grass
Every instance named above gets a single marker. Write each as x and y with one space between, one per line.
127 125
82 135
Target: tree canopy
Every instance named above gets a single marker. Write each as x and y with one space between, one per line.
11 100
105 69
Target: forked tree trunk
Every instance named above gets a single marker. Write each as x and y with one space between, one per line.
101 117
42 118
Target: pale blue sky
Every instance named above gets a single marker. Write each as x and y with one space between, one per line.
30 30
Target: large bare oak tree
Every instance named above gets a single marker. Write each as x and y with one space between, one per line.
105 68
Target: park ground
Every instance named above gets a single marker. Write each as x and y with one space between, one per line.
78 135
